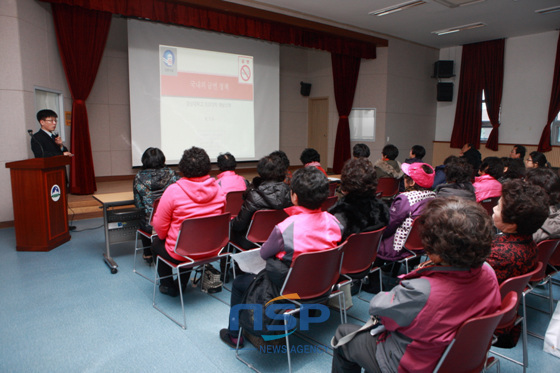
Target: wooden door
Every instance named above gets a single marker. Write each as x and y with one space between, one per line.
318 127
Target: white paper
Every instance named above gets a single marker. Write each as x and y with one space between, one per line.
250 261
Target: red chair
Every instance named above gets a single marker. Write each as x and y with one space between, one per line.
328 203
333 185
200 241
489 204
360 251
149 235
413 244
262 224
468 351
545 250
518 284
388 187
234 201
310 285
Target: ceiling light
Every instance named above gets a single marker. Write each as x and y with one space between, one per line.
396 8
456 3
458 28
548 10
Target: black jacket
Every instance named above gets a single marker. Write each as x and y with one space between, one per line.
269 195
360 214
43 146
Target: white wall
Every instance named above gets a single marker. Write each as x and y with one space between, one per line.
528 71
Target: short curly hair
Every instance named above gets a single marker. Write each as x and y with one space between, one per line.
271 168
194 163
358 177
311 187
458 170
226 162
547 179
492 166
361 151
309 155
524 204
458 230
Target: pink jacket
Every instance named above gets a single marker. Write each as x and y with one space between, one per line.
486 186
187 198
229 181
302 232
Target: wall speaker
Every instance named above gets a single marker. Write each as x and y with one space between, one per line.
443 69
445 91
305 89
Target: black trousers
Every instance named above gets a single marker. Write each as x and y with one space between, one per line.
158 248
358 353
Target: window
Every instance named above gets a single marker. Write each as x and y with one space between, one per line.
555 131
362 124
486 125
46 98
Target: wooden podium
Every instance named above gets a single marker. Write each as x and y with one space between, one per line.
40 203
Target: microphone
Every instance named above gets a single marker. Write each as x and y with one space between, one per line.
30 132
55 134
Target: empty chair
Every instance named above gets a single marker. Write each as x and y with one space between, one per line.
388 187
413 245
468 350
200 241
545 250
262 224
518 284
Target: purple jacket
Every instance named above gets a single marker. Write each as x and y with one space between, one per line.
406 207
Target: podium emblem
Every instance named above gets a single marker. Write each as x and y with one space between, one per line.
55 192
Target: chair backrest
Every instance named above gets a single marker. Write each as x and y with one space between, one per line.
388 186
263 223
327 204
467 352
360 251
332 187
154 207
234 201
554 259
313 274
545 250
413 241
489 204
518 285
204 237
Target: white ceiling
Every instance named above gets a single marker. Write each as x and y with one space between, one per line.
503 18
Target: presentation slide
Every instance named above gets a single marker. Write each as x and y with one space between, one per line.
207 96
198 88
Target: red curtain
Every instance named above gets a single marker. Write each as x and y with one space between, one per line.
229 23
482 68
345 76
492 61
81 35
554 106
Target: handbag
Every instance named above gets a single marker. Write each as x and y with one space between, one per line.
210 280
552 336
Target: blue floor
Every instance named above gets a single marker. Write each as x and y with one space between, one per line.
64 311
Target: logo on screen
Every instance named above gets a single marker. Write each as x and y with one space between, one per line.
168 58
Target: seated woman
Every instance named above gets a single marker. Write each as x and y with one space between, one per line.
536 160
406 207
458 180
149 184
387 166
422 314
194 195
270 194
514 168
486 185
549 180
521 210
311 157
228 180
307 229
358 210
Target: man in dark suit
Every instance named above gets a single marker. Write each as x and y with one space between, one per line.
46 143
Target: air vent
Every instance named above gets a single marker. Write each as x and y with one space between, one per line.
456 3
451 30
396 8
